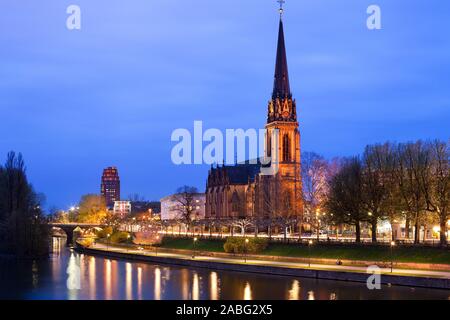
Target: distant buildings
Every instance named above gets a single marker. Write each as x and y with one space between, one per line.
122 208
151 207
110 186
172 207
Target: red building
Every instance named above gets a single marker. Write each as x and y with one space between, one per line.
110 187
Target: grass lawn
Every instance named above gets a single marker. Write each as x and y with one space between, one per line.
349 252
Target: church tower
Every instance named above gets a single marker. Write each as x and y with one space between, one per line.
282 117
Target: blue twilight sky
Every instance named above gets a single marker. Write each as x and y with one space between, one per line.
74 102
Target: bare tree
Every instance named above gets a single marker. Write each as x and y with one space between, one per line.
345 199
413 176
186 208
437 192
242 224
315 176
374 188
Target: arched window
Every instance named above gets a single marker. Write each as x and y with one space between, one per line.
269 144
286 148
235 202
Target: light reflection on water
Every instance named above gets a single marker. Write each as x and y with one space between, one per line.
294 293
100 278
247 292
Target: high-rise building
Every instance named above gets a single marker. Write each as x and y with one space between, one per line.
110 186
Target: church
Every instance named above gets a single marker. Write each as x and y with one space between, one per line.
242 191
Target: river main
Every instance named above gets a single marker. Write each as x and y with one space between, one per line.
67 275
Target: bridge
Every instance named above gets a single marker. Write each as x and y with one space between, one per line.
68 228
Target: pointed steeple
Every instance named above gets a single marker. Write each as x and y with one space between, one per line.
281 88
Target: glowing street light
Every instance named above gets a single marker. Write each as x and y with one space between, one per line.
392 256
128 240
195 241
107 241
245 250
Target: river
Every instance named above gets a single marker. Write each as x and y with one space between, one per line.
67 275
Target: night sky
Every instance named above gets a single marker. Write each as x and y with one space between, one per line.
74 102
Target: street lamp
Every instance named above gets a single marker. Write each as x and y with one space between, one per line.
107 241
245 250
195 241
128 244
392 256
309 253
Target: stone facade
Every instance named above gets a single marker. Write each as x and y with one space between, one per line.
242 191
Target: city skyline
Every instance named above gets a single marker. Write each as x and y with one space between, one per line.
355 82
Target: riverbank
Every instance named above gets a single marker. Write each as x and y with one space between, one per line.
413 278
404 257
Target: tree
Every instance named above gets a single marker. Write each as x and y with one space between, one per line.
315 173
315 176
92 209
23 227
345 198
374 187
186 207
387 165
413 176
438 193
242 224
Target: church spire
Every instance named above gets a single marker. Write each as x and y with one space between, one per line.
281 88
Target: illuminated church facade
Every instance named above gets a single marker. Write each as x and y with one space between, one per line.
242 191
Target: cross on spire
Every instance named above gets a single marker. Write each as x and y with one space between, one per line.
281 2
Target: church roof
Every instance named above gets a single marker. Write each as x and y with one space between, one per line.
240 173
281 87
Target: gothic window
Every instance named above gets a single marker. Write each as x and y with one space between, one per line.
287 201
286 148
269 144
235 202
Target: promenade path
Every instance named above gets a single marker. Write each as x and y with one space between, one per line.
240 261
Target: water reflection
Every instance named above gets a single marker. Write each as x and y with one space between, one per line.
35 274
294 293
91 277
129 281
247 292
139 283
214 286
185 284
107 279
195 287
157 284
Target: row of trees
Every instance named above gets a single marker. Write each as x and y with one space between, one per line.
393 181
23 226
91 209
